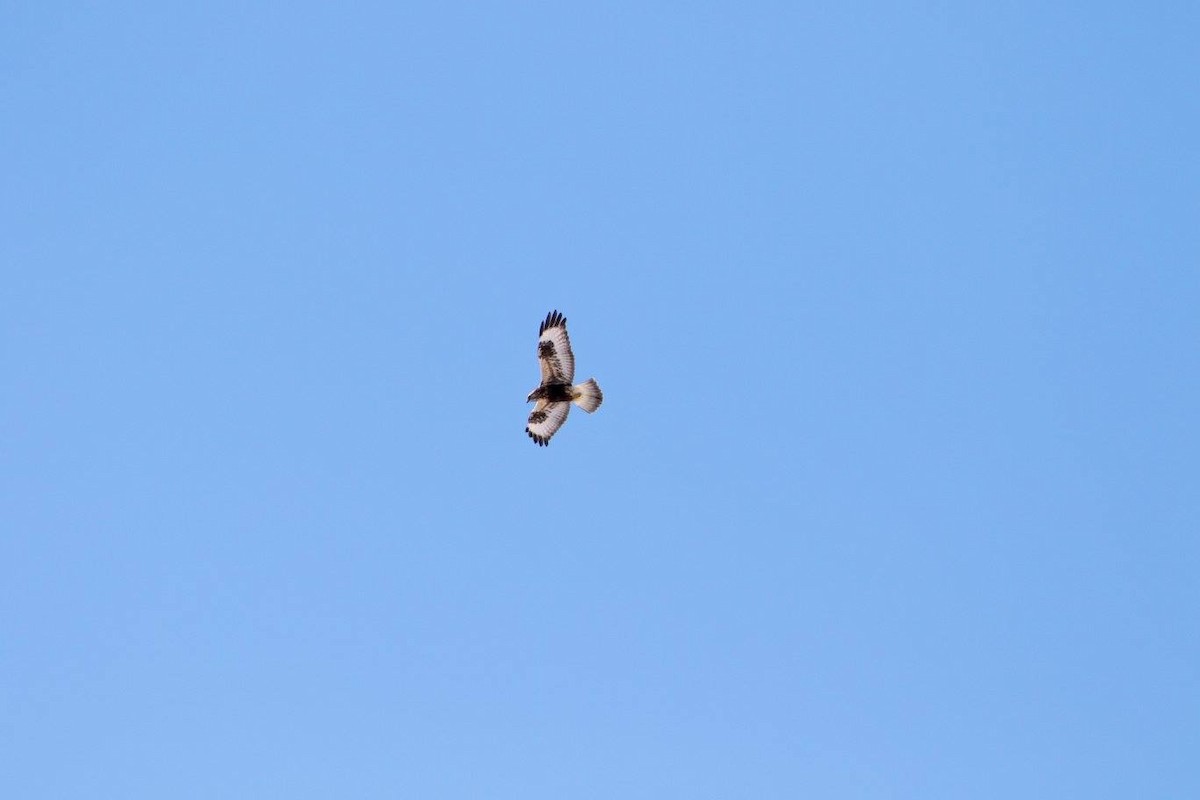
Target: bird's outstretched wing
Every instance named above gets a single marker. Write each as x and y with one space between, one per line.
554 351
545 419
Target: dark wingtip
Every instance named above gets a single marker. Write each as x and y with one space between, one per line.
553 319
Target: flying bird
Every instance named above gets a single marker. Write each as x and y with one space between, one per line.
555 395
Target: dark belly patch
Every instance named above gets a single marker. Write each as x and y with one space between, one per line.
557 392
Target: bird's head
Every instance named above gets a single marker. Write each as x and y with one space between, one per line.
533 395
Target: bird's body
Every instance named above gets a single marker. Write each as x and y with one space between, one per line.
551 393
556 393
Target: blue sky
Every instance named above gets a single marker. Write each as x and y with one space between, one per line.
894 492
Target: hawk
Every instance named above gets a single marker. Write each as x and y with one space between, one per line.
555 395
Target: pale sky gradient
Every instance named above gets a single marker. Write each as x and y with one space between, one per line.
895 491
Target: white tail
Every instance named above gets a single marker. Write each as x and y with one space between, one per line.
587 395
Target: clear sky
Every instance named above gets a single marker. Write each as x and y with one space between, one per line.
895 491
